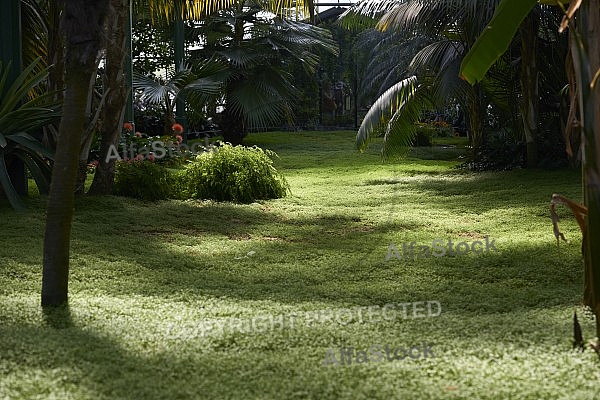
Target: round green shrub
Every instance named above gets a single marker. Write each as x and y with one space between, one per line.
232 173
142 180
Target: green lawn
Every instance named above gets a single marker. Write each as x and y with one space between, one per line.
151 283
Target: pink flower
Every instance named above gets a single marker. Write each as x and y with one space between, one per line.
177 128
95 163
139 157
128 126
138 134
151 158
179 138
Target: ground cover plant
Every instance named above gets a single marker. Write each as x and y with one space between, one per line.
147 279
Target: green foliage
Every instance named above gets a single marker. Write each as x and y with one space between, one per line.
259 52
233 173
20 114
495 39
142 180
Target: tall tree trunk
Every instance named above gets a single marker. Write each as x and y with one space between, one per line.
588 25
477 111
116 92
54 57
82 23
232 125
530 85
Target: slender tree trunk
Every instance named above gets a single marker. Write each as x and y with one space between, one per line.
591 166
54 57
588 24
477 109
82 24
116 95
233 123
530 85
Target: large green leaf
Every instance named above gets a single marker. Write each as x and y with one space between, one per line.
495 39
7 185
30 144
23 109
40 171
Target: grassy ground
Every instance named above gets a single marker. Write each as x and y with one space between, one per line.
151 284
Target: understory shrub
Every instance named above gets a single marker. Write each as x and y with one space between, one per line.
500 152
142 180
232 173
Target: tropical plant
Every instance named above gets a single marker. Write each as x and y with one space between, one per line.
453 26
583 20
19 117
199 86
384 59
142 179
440 32
257 50
233 173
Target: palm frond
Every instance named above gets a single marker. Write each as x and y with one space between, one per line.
365 14
263 100
401 129
385 108
197 9
437 56
241 57
155 91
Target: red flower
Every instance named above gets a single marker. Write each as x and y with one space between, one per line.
179 138
95 163
151 158
177 128
128 126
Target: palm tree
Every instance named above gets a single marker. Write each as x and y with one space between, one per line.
202 85
257 51
81 19
454 25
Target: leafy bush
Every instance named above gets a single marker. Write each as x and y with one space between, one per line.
228 173
421 139
142 180
500 152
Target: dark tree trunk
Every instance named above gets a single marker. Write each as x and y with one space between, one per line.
82 23
233 128
477 112
81 177
54 57
232 125
589 18
116 98
530 85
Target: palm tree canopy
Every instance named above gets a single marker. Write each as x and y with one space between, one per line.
197 9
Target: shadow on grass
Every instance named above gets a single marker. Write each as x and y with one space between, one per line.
99 365
297 259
